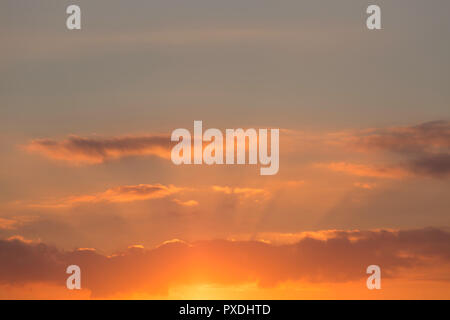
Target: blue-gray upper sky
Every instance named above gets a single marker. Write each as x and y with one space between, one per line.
156 65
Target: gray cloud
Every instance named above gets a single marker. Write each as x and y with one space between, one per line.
78 150
424 148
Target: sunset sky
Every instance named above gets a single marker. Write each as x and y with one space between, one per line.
85 170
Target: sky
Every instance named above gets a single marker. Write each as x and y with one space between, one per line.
86 177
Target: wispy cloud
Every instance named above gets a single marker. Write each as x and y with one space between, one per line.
362 170
119 194
77 150
420 150
365 185
13 223
242 191
7 224
426 138
188 203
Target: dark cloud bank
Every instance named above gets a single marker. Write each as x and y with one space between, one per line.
343 257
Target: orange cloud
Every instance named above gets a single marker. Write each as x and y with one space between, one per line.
364 185
140 192
115 195
136 246
283 238
85 249
246 192
22 239
188 203
366 170
87 151
14 222
7 224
